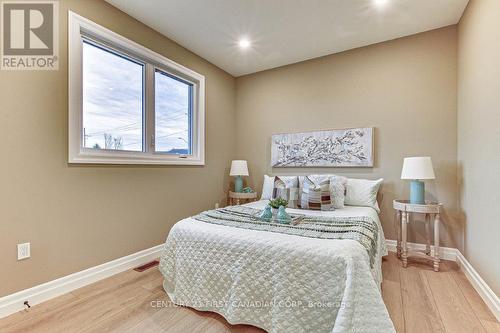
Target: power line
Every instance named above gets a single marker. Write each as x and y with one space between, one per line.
159 137
119 128
169 135
132 126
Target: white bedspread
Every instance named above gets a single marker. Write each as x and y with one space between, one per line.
279 282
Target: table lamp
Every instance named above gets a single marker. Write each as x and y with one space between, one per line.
238 168
417 169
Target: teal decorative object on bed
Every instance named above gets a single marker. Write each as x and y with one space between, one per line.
267 214
283 216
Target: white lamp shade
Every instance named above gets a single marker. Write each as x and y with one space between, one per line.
417 168
239 168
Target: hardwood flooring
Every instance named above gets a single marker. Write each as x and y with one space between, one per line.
418 299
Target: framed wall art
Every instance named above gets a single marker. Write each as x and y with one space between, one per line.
351 147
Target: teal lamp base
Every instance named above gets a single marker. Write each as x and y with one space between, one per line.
417 192
238 184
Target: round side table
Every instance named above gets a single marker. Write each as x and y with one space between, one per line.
235 198
404 209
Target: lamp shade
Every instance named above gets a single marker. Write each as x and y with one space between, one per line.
417 168
239 168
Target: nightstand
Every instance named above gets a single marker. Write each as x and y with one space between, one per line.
236 198
404 209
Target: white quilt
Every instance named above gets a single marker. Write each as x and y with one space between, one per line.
278 282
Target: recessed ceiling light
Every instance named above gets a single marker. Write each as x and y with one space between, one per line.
244 43
380 3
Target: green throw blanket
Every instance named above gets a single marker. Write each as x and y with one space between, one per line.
362 229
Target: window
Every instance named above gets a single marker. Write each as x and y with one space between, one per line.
129 105
112 100
172 114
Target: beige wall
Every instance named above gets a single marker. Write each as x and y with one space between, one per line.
405 88
80 216
479 136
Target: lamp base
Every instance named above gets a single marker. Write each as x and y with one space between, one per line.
238 184
417 192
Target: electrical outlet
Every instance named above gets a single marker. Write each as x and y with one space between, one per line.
216 205
23 251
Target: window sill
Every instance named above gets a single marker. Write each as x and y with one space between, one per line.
156 159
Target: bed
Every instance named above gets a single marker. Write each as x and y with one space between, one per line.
276 281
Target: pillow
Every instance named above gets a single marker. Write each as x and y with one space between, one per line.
268 186
315 179
314 195
337 190
337 187
362 192
289 191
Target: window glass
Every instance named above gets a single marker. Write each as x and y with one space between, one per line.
173 100
112 100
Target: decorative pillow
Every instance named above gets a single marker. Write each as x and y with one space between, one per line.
315 196
337 187
315 178
337 191
286 191
268 186
362 192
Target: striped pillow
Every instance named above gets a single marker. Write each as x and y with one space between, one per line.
286 191
315 196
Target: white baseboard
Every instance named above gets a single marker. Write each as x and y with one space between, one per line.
488 296
43 292
448 253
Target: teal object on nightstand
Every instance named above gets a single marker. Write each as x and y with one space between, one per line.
238 184
417 192
247 190
283 216
417 169
238 168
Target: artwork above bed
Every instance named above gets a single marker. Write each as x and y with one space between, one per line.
351 147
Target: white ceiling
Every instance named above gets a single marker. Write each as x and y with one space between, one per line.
286 31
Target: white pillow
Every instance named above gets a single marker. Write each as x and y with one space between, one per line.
337 190
362 192
268 186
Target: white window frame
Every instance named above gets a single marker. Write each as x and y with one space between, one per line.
77 28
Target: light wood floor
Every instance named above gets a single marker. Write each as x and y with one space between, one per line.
419 300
